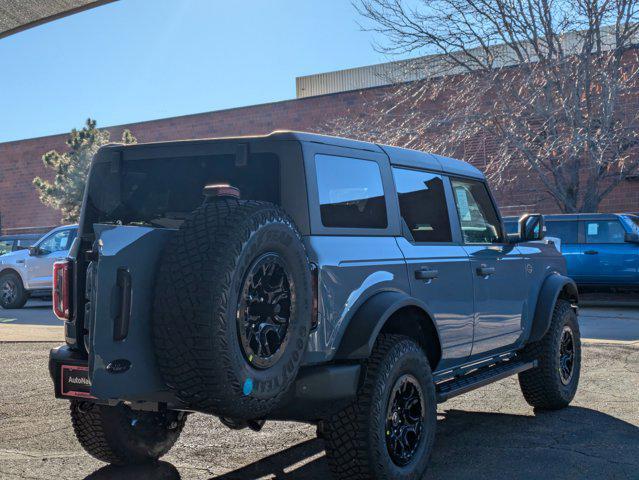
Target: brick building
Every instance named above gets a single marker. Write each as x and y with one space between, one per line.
320 99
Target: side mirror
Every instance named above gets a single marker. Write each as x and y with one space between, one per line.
632 237
531 227
34 251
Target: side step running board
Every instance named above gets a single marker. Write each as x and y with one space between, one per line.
480 377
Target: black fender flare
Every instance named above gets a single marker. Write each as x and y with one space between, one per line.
359 338
548 294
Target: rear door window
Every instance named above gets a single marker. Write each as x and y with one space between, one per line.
604 231
566 230
6 246
422 204
477 215
351 193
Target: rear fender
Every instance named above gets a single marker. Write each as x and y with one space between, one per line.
369 320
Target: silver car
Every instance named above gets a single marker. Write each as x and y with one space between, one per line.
26 273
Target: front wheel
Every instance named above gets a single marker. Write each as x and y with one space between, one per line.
122 436
553 383
12 292
389 430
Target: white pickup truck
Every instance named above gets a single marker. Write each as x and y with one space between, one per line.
26 273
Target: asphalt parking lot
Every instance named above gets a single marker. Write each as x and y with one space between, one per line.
35 312
487 434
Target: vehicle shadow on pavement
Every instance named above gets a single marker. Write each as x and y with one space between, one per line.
572 443
575 442
154 471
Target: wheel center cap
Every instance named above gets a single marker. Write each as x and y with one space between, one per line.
395 418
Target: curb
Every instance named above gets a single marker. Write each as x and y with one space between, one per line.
31 333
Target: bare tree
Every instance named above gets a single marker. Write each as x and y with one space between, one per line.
553 83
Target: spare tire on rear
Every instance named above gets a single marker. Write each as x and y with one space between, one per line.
232 308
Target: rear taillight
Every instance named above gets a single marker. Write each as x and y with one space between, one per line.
62 289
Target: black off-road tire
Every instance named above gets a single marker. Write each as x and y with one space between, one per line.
20 295
543 386
197 308
121 436
356 437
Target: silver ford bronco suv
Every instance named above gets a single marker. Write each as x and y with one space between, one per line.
301 277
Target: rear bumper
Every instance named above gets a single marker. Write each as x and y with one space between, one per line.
68 369
318 392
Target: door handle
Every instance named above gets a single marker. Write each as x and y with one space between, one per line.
426 274
591 252
484 271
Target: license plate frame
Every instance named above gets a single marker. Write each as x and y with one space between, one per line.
75 382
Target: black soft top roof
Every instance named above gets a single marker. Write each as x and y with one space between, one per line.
398 156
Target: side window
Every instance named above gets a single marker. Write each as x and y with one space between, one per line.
565 230
59 241
604 231
512 226
25 243
477 215
422 203
6 246
351 193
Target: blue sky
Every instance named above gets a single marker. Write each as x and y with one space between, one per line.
136 60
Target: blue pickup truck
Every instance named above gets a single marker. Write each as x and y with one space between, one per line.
601 249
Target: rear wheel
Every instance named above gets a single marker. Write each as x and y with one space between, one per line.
122 436
12 291
389 430
553 384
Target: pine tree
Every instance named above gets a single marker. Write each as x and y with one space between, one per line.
71 168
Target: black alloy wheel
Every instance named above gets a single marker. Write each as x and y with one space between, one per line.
8 291
264 310
566 355
404 420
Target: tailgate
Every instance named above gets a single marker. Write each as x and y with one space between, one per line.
122 362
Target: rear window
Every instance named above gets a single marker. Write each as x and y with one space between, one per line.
566 230
351 194
162 192
604 231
